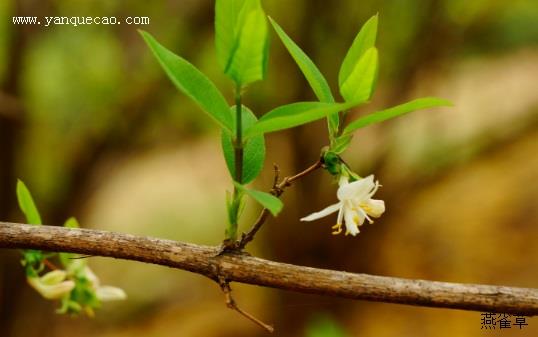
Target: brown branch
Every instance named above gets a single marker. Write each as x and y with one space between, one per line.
248 269
277 190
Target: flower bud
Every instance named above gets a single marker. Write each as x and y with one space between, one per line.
52 285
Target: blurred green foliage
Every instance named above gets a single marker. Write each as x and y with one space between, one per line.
76 80
93 97
324 326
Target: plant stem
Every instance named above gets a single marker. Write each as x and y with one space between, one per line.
238 137
231 231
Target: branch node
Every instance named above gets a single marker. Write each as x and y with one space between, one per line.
227 246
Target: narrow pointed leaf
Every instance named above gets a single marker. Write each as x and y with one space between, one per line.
360 84
253 152
248 62
315 78
27 204
364 40
310 71
229 19
269 201
192 83
383 115
226 28
288 116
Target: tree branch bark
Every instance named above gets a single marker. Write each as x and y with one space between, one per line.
244 268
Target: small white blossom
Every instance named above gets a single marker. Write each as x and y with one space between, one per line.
355 205
104 293
52 285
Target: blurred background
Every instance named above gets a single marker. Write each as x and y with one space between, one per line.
90 122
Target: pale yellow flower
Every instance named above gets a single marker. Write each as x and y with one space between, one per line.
355 205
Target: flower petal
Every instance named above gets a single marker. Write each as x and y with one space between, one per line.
53 277
90 275
324 212
356 190
361 217
108 293
51 292
351 222
375 207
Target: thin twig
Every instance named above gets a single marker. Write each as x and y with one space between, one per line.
49 264
277 174
230 303
277 190
248 269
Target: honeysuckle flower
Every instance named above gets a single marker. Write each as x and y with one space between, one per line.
104 293
52 285
355 205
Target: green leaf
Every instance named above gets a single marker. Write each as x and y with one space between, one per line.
383 115
83 296
72 222
310 71
226 28
288 116
315 78
341 143
364 40
27 205
248 62
360 84
269 201
192 83
253 152
33 262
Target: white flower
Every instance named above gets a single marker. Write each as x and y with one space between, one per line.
104 293
52 285
355 205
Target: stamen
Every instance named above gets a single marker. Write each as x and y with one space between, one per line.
340 217
337 229
366 216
